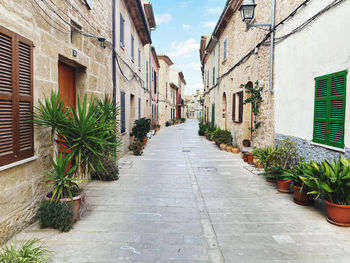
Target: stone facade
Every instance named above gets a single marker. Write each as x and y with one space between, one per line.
164 89
232 32
22 186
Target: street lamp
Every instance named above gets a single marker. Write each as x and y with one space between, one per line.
247 12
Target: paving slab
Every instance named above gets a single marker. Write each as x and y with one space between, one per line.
185 200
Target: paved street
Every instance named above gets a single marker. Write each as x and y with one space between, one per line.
184 200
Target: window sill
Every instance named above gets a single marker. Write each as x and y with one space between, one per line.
11 165
328 147
223 62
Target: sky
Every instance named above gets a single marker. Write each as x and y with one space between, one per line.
180 25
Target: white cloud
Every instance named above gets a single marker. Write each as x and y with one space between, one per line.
209 24
191 88
185 26
163 18
183 49
214 11
184 4
191 65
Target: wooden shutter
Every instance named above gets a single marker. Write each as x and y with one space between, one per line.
6 97
213 114
240 110
337 109
16 97
329 112
234 107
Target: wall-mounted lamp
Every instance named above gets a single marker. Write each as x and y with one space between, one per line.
247 10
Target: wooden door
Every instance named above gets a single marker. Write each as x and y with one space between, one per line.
66 84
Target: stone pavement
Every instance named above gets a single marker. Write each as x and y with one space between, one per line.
184 200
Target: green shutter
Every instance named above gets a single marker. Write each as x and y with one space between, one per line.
213 75
213 114
329 115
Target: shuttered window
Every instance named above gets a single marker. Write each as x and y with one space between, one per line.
237 107
329 112
16 97
121 30
122 112
213 114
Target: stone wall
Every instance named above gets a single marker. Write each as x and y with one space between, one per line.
312 152
22 187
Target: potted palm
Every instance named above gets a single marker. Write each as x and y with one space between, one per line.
331 182
300 190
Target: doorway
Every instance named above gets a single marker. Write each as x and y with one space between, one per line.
224 111
66 84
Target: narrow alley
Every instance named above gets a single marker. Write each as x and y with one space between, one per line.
184 200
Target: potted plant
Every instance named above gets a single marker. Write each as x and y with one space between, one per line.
245 156
167 124
300 190
258 153
157 128
137 148
331 182
235 148
223 138
250 158
246 143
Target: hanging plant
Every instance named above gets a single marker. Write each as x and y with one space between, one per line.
255 99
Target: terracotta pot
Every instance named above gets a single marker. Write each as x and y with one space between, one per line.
229 148
302 198
250 158
245 157
223 146
246 143
270 180
338 214
76 204
235 150
144 141
157 129
283 186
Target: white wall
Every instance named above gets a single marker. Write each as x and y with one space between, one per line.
320 49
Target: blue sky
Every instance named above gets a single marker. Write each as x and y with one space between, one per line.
180 24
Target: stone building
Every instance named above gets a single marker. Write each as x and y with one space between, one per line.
311 101
134 21
44 46
193 105
164 113
154 85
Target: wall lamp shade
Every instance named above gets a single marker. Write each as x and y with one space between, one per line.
247 10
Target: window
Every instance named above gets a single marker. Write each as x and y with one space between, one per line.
213 75
225 49
16 97
139 108
122 30
207 78
139 58
155 82
132 47
329 111
88 3
122 112
237 107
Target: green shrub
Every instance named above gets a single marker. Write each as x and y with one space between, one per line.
222 136
30 251
56 215
110 171
141 128
182 120
202 128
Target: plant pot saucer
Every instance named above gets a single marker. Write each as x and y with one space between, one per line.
338 224
303 203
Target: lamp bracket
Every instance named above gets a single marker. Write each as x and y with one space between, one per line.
259 25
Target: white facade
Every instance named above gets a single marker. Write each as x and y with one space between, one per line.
320 49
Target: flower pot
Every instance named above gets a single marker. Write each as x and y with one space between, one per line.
302 198
283 186
246 143
157 129
250 158
338 214
229 148
235 150
77 200
245 157
223 146
144 141
270 179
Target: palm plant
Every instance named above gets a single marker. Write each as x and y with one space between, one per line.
60 178
294 175
330 181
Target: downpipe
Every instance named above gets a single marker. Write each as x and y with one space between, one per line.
272 44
